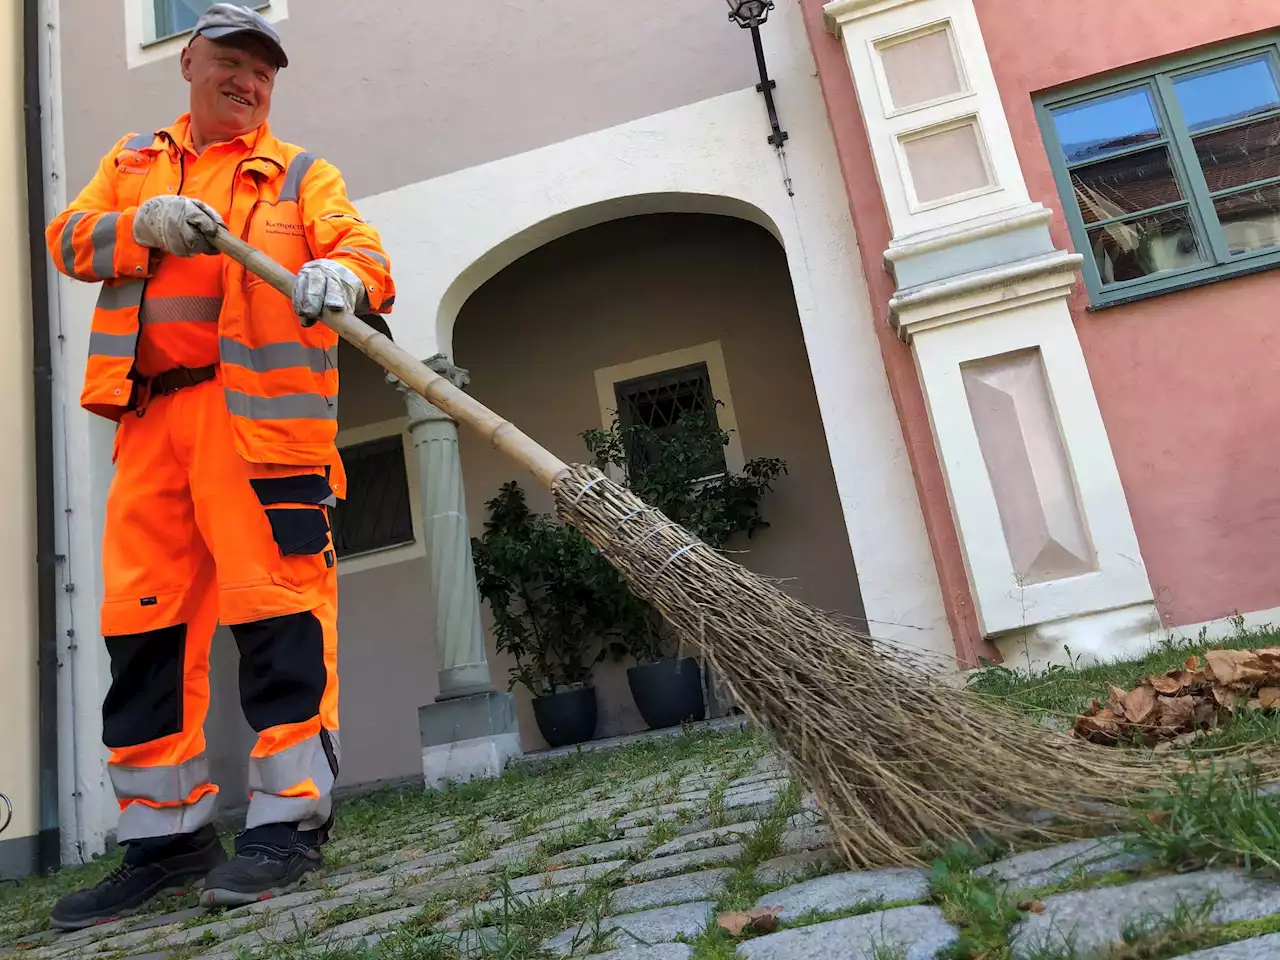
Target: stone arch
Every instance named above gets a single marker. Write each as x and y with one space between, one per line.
568 221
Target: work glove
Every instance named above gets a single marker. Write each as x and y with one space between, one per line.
178 225
326 285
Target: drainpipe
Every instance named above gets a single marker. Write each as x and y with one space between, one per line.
48 846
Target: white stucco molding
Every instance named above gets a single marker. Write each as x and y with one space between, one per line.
448 236
1042 517
867 29
984 293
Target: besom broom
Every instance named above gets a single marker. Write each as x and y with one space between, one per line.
902 761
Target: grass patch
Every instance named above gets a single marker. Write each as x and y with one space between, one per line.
578 835
1211 820
813 917
743 890
1064 691
1189 927
714 943
980 906
515 929
715 805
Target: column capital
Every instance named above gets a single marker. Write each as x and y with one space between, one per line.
441 364
420 410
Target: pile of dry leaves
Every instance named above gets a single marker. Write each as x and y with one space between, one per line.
1175 707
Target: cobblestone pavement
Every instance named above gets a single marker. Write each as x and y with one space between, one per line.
634 855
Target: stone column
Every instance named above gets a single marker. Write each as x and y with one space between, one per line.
470 730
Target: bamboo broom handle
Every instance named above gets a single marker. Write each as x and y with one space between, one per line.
393 358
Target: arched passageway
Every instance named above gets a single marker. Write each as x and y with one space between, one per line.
640 303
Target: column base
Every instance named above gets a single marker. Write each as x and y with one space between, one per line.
482 758
465 680
1091 638
468 738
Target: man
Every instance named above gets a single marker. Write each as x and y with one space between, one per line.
225 396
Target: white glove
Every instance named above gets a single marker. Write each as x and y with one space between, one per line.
180 225
326 285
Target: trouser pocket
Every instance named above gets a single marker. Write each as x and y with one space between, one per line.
297 508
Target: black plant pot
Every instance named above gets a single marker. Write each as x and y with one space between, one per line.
668 692
567 717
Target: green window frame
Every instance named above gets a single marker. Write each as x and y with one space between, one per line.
1196 203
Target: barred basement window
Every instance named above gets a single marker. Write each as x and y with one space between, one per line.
658 401
376 514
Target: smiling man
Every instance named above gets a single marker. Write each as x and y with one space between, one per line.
225 398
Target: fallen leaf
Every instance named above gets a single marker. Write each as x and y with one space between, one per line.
1227 698
1191 665
1269 697
1206 714
758 920
1102 727
1031 906
1234 667
1177 713
1140 704
1169 683
1115 701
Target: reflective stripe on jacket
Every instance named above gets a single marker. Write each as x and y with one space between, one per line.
281 380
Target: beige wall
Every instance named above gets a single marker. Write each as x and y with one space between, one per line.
18 709
534 336
395 92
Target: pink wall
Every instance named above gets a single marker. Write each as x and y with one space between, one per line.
871 224
1186 382
1189 383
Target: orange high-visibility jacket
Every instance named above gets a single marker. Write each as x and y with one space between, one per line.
280 379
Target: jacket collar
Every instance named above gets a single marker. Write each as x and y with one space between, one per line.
260 144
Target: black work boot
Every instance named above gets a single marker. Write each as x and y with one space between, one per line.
270 861
151 868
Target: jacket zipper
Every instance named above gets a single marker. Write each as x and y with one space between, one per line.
182 180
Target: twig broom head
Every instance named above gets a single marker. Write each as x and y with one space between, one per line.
903 762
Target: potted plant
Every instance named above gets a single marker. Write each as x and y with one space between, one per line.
556 607
679 471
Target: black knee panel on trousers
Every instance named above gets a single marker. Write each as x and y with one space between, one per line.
145 699
282 674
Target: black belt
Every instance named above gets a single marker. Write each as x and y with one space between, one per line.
174 380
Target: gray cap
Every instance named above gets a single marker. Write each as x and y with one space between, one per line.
228 19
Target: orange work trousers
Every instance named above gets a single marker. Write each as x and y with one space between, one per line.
196 535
